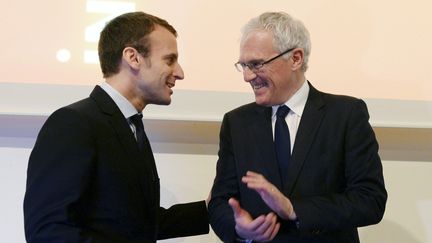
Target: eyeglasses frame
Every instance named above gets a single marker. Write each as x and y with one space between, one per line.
241 67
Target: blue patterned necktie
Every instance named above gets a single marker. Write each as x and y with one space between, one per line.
282 141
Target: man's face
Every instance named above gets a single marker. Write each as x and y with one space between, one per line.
160 70
272 82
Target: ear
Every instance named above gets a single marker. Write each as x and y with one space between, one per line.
131 57
297 58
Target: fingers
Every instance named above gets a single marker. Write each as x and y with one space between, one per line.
275 231
258 182
253 174
255 180
207 200
235 205
272 231
250 228
263 228
242 217
270 194
267 228
253 177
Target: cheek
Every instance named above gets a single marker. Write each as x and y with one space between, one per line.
278 81
165 74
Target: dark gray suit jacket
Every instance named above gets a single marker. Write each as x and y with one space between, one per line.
335 179
87 181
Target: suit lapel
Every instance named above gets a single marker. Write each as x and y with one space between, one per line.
262 133
117 120
309 124
140 161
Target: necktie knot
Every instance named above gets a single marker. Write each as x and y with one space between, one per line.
136 119
139 129
282 111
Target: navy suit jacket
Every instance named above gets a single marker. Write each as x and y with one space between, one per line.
335 179
87 181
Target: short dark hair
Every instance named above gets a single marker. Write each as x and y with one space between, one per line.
127 30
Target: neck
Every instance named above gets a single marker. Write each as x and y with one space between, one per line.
127 88
297 84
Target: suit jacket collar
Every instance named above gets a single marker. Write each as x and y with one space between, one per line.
309 124
141 161
118 122
261 128
124 105
104 101
310 121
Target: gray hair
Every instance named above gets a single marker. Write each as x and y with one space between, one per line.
287 32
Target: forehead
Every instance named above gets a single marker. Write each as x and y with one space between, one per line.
256 45
161 40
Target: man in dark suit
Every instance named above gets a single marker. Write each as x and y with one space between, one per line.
297 165
91 175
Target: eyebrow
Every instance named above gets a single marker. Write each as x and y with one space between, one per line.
253 61
171 56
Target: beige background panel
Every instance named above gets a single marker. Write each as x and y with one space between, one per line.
369 49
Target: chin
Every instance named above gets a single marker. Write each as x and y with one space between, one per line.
162 102
262 102
166 102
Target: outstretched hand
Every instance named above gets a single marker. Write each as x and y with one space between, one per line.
275 199
264 228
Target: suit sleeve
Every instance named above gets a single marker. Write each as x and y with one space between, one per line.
224 187
183 220
362 201
58 176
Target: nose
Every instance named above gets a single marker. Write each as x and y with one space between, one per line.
178 72
248 75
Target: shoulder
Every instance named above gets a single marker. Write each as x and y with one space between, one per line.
245 108
249 112
78 109
336 102
341 100
73 117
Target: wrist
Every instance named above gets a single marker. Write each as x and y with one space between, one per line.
296 223
293 215
289 211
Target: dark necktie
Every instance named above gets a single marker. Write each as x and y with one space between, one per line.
144 145
139 130
282 141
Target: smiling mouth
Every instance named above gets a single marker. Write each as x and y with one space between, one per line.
170 85
256 86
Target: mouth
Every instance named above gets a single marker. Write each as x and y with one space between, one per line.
170 85
258 85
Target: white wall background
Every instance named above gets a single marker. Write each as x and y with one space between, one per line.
187 177
185 140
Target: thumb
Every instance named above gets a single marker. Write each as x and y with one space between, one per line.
235 205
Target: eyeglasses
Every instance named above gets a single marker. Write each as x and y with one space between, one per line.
255 66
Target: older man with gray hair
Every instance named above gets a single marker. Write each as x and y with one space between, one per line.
296 165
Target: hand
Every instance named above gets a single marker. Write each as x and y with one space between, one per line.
264 228
207 200
270 194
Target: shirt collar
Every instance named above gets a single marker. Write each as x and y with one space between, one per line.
297 102
126 108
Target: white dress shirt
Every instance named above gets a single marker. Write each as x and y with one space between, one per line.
296 104
126 108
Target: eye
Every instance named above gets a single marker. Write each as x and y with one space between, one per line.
255 65
171 60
